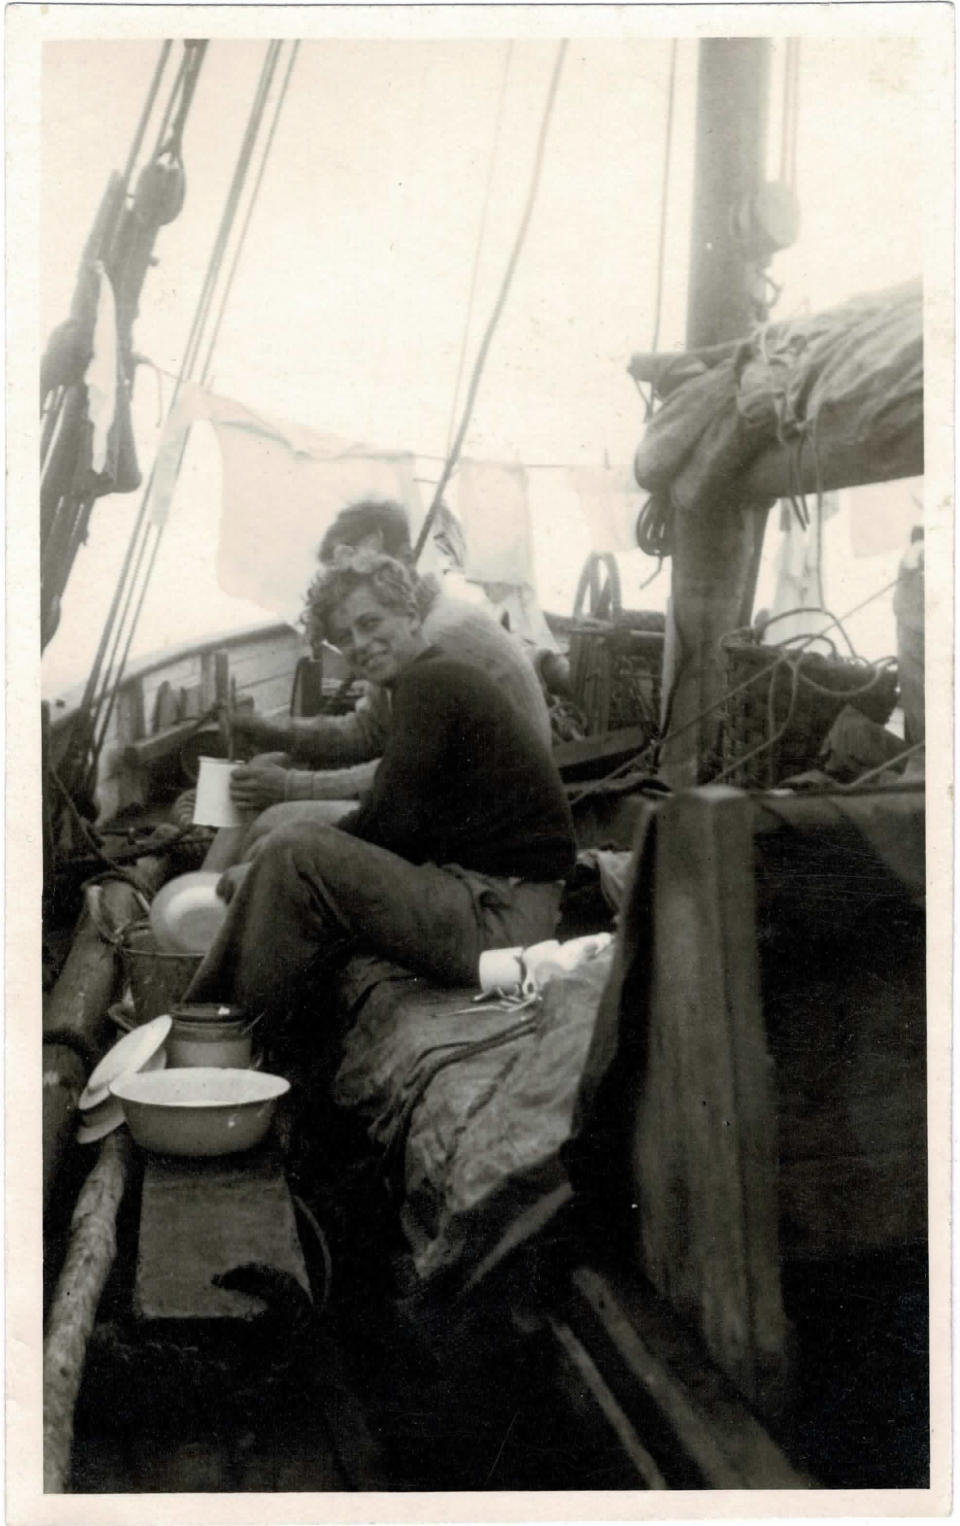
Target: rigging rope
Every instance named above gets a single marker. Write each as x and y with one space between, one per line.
658 743
205 299
238 251
654 529
145 115
126 590
498 305
171 102
791 102
664 195
107 699
193 63
481 235
84 709
65 511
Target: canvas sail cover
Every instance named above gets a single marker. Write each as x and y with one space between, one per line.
843 388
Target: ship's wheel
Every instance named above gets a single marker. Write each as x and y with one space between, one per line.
598 595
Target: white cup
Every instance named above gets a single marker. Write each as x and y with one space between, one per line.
500 969
214 808
536 960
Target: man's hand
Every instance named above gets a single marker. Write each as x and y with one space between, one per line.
254 786
230 881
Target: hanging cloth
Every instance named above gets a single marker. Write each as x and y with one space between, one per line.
283 484
494 511
610 503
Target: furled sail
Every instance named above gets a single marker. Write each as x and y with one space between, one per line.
820 401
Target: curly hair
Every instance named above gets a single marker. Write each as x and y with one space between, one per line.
369 516
390 581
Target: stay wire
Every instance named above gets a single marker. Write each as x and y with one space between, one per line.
664 195
141 529
111 684
498 306
195 57
171 102
481 236
241 168
147 111
126 588
112 630
238 251
88 709
790 113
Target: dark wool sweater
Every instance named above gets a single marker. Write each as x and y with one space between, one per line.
465 780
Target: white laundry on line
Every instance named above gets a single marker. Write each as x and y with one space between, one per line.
283 484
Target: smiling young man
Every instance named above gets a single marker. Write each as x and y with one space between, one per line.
461 845
334 757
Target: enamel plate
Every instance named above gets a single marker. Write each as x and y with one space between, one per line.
101 1122
137 1050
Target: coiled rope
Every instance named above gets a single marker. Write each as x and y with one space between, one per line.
784 660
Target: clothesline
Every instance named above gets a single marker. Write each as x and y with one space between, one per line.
422 455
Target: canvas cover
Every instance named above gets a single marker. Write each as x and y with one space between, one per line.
853 374
470 1106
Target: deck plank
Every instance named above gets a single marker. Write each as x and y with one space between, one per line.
201 1217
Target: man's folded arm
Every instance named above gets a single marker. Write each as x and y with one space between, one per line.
331 783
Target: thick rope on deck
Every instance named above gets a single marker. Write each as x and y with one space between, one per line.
93 1246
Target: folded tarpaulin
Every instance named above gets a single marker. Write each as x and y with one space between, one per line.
472 1107
283 484
845 385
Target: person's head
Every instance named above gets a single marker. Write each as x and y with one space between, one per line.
369 525
365 604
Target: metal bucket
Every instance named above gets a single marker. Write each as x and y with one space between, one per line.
157 980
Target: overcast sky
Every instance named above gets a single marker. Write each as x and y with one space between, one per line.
349 308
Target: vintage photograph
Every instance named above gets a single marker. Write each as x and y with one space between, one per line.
482 546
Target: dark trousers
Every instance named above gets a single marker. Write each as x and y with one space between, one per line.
313 895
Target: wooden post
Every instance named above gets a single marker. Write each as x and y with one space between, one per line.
93 1246
705 1139
225 850
714 544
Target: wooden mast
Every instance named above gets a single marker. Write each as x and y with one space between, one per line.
715 553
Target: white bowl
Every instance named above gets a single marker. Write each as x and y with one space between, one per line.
201 1110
